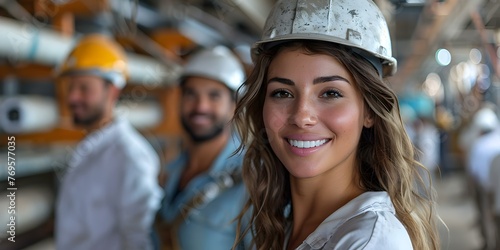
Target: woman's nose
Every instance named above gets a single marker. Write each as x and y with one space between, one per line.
303 114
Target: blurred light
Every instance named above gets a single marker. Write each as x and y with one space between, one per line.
432 84
475 56
484 71
443 57
454 73
461 67
415 1
470 72
466 76
483 79
483 84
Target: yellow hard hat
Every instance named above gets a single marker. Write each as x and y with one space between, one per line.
97 55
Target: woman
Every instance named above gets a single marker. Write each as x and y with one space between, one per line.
328 163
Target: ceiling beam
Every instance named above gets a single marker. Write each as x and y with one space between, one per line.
439 22
256 10
490 50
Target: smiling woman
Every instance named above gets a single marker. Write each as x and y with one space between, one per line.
311 109
329 164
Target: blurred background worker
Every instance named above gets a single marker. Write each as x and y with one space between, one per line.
109 195
418 112
495 192
483 150
204 192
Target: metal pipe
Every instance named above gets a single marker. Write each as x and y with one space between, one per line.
490 51
27 42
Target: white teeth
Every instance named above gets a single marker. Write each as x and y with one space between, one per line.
307 144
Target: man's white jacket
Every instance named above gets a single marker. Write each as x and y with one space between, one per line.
109 195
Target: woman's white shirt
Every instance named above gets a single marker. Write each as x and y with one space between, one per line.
366 222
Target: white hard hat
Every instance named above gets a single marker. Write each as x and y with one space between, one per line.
355 23
485 119
217 63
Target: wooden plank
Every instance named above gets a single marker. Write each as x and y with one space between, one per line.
169 100
44 138
47 8
172 40
28 71
64 23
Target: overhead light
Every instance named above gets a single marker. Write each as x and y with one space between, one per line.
443 57
475 56
415 1
432 84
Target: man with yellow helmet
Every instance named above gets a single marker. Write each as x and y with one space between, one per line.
109 195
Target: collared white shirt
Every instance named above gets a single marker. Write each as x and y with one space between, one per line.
482 152
366 222
109 195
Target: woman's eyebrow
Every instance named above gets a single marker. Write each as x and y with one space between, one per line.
329 79
281 80
315 81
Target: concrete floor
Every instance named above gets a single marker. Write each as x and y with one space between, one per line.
459 213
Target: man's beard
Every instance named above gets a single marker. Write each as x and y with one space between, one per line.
95 116
215 131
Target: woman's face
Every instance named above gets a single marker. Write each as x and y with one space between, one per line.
313 114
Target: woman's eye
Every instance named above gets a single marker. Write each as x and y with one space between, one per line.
281 93
331 94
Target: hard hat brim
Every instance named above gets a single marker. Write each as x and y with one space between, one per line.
389 64
115 78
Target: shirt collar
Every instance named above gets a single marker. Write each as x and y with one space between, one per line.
97 140
224 159
368 201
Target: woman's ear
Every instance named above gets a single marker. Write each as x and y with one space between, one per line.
368 122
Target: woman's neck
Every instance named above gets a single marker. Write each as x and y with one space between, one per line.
316 198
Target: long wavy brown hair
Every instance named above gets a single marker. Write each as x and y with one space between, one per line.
384 153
